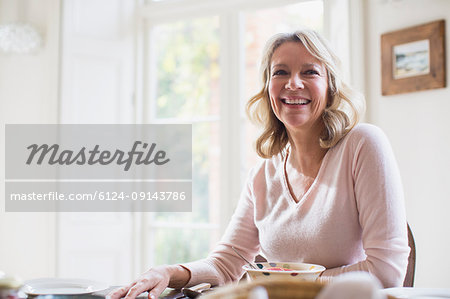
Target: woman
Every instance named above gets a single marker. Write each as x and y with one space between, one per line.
328 192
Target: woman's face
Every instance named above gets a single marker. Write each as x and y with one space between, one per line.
298 87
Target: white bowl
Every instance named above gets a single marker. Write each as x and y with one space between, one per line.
298 271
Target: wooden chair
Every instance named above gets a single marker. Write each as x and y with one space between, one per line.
410 271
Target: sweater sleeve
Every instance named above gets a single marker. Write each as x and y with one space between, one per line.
380 202
223 265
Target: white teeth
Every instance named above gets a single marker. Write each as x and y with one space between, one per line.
296 101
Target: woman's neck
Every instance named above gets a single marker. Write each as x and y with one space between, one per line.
306 154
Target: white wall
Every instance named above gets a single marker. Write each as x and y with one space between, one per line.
28 94
418 127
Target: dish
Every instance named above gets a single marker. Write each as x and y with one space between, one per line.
299 271
417 293
59 286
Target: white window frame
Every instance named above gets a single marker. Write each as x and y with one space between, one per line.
345 13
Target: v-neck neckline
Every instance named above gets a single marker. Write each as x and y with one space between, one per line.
292 197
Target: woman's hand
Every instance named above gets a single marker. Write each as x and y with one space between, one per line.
155 281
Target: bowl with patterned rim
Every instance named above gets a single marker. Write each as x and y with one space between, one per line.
299 271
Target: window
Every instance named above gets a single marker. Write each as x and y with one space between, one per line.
201 65
186 89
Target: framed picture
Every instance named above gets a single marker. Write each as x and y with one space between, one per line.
413 59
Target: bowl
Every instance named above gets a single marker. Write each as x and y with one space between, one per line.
276 288
284 270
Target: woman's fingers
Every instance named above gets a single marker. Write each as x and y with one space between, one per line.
141 286
154 281
130 291
157 290
119 292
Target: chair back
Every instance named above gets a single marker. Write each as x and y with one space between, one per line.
411 270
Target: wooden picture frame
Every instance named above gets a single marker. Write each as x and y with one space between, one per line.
413 59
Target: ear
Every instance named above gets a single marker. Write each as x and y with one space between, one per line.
330 97
331 90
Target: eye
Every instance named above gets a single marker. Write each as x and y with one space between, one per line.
311 72
279 73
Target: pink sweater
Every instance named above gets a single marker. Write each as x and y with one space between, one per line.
351 218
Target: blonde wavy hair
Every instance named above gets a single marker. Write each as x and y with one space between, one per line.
343 110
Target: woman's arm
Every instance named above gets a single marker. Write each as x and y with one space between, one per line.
220 267
379 198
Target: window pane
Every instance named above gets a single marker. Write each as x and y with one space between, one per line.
178 245
205 177
260 25
187 54
187 89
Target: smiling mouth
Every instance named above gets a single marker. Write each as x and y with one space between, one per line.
296 101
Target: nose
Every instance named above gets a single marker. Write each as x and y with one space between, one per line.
294 82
